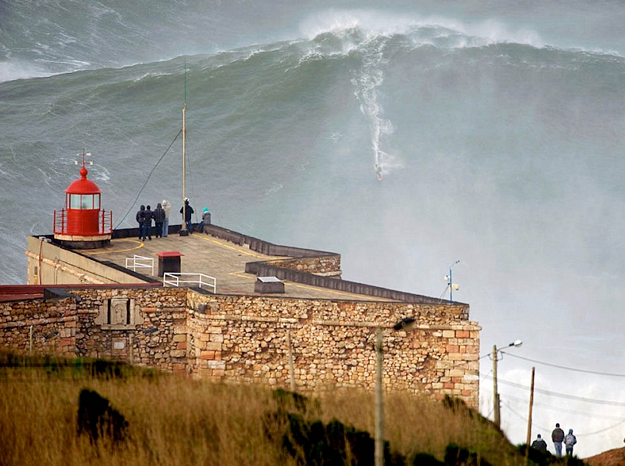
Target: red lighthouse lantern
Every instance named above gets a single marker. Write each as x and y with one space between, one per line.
82 224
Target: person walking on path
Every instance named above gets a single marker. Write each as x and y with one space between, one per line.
569 442
159 217
539 444
557 437
188 211
166 208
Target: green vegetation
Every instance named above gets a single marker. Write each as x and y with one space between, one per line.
172 420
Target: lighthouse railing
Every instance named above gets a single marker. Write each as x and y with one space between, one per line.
105 222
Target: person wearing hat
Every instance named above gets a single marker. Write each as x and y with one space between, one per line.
569 441
206 219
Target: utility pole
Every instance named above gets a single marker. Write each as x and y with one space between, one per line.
291 365
379 406
496 414
529 417
496 404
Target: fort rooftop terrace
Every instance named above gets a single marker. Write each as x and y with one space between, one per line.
236 260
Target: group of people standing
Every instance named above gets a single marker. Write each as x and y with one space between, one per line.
558 438
160 217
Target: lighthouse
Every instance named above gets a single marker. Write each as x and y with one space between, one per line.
82 223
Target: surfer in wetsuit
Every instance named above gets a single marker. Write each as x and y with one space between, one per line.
378 171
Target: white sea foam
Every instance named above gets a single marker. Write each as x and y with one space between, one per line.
377 23
334 20
367 81
101 173
13 70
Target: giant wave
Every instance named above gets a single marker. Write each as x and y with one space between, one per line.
498 133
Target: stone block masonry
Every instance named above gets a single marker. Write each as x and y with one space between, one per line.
245 339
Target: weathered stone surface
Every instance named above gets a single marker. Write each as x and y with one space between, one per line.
245 339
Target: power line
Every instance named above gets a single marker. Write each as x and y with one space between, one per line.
524 419
577 434
562 395
559 409
489 355
566 368
146 181
602 430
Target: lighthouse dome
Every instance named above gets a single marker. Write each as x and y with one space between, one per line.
83 185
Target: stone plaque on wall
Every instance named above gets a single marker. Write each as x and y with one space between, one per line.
119 343
120 311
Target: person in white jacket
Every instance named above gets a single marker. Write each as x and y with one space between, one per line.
569 441
166 208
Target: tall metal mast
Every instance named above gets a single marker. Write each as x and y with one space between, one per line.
183 229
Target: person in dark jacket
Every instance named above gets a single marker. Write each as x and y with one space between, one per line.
141 221
148 223
557 437
159 217
188 211
539 444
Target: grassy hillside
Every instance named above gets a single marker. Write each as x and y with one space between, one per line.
172 420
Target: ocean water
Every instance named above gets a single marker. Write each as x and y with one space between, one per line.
497 129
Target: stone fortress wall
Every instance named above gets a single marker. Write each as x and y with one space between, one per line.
251 339
97 309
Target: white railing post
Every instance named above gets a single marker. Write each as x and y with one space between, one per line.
136 262
199 279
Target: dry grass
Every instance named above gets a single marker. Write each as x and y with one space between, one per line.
419 425
178 422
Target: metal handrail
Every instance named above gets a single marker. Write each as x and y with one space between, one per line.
105 222
137 262
177 279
